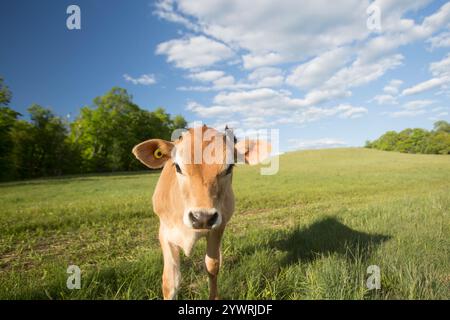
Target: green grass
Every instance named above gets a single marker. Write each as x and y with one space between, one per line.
309 232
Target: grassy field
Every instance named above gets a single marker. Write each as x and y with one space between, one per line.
309 232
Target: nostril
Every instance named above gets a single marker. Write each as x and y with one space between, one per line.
192 217
213 219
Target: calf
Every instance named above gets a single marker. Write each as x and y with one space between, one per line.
193 197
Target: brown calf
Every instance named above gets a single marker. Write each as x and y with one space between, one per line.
194 197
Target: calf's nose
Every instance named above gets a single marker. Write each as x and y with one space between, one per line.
203 220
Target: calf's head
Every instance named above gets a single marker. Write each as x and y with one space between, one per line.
202 161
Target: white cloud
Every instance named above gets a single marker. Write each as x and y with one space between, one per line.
441 77
406 113
354 75
251 61
439 113
145 79
425 86
391 91
255 122
304 30
218 80
360 72
266 77
326 43
437 109
260 78
323 143
316 71
275 106
442 40
385 99
207 76
347 111
393 87
417 104
371 64
263 100
165 10
196 88
312 114
400 31
264 72
441 68
194 52
317 97
214 111
224 82
411 109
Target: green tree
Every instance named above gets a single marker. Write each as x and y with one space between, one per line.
439 143
412 140
106 132
22 151
8 118
179 122
442 125
416 140
387 141
100 131
5 94
100 139
41 147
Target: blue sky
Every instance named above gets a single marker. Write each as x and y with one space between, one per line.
313 70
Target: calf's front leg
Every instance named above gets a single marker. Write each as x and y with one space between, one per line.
213 260
171 273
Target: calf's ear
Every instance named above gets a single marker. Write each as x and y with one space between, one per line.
153 153
254 151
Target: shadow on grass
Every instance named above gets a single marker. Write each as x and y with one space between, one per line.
326 237
141 279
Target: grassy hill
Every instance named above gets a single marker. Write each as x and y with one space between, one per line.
309 232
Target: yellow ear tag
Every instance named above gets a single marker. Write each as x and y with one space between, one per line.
158 153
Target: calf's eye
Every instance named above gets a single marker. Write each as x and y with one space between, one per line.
177 167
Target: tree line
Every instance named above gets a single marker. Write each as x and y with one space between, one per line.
100 139
436 141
